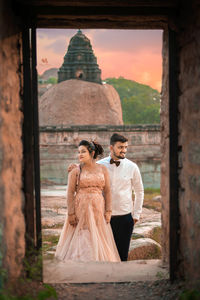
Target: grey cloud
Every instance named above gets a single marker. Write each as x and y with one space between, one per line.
107 40
128 40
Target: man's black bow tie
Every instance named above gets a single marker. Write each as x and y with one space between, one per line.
117 162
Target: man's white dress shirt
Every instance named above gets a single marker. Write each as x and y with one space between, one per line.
125 179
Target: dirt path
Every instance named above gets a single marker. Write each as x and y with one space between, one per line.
151 290
55 271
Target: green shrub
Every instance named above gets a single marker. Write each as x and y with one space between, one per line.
140 103
152 191
156 234
190 295
45 293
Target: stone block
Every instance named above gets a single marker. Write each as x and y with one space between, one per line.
136 139
145 229
153 138
197 214
56 154
194 183
151 180
157 198
147 167
144 248
194 153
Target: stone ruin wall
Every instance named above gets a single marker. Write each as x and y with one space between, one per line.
12 226
189 139
58 148
11 201
187 27
164 183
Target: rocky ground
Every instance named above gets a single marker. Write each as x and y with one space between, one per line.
160 288
54 208
154 290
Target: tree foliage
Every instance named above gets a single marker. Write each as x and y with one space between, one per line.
52 80
140 103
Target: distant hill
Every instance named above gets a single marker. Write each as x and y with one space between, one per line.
53 72
140 103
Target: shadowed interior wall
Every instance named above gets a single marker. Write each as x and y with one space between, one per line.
12 227
58 148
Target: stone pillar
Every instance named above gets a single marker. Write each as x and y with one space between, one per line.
165 151
189 139
12 227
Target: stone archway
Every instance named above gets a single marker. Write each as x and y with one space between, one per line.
165 144
165 115
101 14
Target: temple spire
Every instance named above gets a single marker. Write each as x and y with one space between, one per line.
80 61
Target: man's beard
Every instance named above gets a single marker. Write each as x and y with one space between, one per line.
118 156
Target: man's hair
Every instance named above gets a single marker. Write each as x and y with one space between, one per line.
117 138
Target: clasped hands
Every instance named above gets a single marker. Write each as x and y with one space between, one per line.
74 221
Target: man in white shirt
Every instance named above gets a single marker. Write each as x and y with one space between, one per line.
125 178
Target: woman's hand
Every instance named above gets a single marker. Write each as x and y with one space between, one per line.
108 216
72 220
71 167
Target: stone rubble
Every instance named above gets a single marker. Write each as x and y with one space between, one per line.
143 248
54 209
152 290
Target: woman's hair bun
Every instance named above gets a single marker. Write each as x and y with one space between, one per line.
98 149
92 146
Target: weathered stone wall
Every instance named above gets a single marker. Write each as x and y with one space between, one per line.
189 138
55 144
12 227
58 148
164 183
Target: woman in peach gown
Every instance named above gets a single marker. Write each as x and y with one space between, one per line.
87 234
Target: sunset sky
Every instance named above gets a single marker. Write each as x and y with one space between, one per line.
133 54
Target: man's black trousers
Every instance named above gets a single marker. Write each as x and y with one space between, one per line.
122 227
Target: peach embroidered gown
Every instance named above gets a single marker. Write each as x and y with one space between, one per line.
92 238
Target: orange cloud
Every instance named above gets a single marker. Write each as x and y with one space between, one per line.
138 58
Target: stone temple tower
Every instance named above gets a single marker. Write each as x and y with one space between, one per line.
80 61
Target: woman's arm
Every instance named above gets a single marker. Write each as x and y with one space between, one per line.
107 195
72 179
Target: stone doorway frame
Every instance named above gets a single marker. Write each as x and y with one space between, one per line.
31 173
169 136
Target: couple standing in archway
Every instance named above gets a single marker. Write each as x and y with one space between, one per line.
99 223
